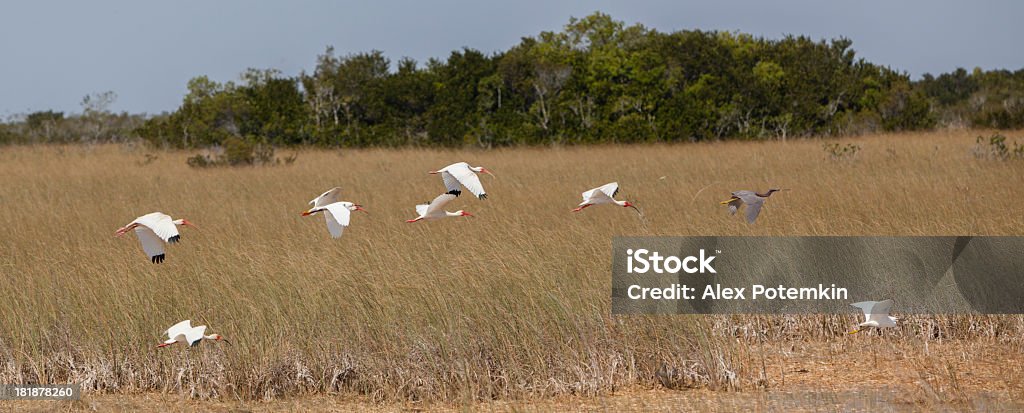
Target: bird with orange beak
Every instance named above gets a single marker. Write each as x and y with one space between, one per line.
183 332
337 213
153 230
462 174
435 209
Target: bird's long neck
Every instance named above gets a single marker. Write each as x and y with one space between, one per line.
453 214
619 203
766 194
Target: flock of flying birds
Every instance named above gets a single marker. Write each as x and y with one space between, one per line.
155 229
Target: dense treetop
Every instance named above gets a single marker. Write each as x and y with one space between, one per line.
597 80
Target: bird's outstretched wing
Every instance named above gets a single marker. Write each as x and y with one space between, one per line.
610 189
421 209
178 329
607 191
326 198
151 243
461 173
753 208
451 184
193 335
161 224
880 311
866 307
437 204
337 218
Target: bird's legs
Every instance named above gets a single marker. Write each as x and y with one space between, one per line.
165 344
312 211
580 208
412 220
121 231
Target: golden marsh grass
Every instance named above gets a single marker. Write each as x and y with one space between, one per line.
511 304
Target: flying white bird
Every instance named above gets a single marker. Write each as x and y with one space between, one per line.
337 213
603 194
153 230
462 173
753 200
183 332
435 209
876 314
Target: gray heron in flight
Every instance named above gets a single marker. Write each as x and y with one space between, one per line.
753 200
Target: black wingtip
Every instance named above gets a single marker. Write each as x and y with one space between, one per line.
455 192
483 196
174 239
157 259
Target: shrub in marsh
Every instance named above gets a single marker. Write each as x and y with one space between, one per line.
239 152
995 147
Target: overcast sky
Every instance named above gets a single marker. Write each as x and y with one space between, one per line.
53 53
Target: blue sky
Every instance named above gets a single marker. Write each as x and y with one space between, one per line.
56 52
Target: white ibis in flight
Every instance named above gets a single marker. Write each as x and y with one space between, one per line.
337 214
183 332
435 209
604 194
154 230
462 173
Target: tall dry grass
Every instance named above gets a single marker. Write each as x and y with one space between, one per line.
513 303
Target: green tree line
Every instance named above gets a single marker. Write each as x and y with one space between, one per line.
597 80
95 124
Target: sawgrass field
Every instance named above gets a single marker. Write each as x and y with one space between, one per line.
510 308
